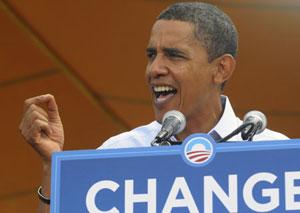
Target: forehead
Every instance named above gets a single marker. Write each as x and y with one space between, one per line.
171 33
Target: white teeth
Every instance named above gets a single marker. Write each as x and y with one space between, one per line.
163 88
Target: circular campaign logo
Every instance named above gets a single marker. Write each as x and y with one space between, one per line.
198 150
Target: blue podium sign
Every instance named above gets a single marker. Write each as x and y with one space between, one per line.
198 176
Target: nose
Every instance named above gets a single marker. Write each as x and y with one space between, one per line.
157 68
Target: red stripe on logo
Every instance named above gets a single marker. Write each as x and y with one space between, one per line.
204 151
199 155
201 160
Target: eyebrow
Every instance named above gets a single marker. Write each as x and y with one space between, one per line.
173 51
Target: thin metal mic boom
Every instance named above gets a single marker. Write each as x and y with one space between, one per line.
254 123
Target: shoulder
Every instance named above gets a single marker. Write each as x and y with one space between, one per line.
268 134
138 137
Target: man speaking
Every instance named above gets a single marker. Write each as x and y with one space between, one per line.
191 55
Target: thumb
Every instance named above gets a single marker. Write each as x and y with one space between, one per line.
52 108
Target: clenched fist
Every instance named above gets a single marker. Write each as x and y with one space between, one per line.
42 127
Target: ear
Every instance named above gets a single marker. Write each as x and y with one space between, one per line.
225 65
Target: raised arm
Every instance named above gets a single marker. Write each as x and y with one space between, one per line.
42 128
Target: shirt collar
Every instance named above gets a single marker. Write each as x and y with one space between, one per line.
228 120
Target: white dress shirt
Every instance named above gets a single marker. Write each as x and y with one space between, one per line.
143 135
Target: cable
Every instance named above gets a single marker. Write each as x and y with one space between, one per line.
237 131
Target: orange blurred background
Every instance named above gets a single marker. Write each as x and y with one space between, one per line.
91 56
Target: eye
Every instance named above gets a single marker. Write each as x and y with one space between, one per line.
151 54
173 54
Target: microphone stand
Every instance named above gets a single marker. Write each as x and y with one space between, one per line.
251 127
248 135
164 142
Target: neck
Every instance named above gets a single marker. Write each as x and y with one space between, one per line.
205 119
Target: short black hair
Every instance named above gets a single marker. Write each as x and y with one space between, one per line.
213 28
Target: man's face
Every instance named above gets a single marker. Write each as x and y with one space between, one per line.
178 73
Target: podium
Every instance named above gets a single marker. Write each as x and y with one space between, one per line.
197 176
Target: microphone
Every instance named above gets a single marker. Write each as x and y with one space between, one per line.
254 123
173 123
259 121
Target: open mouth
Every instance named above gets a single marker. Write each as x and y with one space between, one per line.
163 93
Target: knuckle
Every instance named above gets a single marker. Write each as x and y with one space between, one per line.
34 114
37 115
49 96
36 122
27 102
22 132
25 135
31 108
21 126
